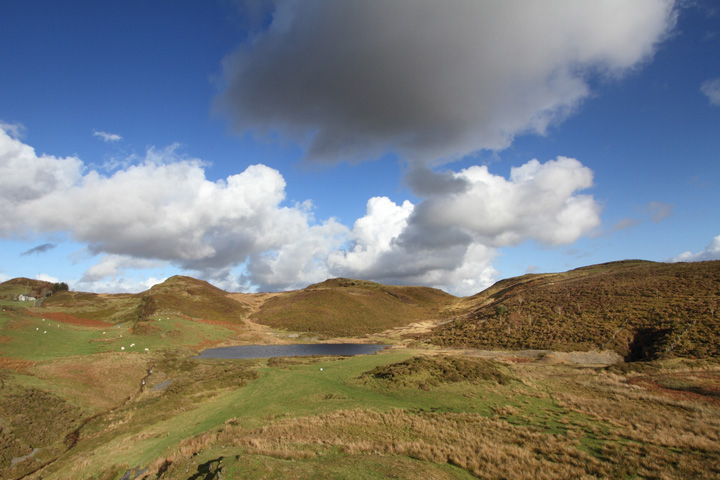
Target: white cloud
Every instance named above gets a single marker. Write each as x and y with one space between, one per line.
430 80
450 240
372 235
107 137
301 261
47 278
711 252
163 211
539 201
127 283
711 89
114 265
26 177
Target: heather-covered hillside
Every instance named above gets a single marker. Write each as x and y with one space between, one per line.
640 309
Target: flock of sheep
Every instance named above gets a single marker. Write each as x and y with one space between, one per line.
122 349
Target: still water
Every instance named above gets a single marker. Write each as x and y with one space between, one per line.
296 350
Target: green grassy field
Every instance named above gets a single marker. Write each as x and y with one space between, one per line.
34 338
391 415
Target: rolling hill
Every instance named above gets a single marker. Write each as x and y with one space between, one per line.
177 296
344 307
196 299
23 286
640 309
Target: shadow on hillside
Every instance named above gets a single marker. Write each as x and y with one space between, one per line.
646 344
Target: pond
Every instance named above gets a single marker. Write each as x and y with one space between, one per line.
295 350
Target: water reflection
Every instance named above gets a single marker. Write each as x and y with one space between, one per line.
295 350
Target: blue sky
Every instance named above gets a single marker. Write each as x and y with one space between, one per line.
270 145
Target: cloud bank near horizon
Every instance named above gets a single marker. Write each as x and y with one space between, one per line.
163 210
430 81
711 252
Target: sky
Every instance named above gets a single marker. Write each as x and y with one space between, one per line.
268 145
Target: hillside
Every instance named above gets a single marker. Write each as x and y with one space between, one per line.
10 289
101 399
178 296
343 307
640 309
192 298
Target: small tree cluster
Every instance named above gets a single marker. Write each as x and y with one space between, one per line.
60 287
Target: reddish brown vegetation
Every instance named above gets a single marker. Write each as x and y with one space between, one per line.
72 319
15 364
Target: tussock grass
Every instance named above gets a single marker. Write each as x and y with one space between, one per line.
425 372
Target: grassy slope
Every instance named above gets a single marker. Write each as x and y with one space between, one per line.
342 307
640 309
193 298
374 416
293 420
382 416
117 308
177 296
10 289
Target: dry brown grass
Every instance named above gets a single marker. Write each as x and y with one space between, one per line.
98 382
488 448
15 364
608 428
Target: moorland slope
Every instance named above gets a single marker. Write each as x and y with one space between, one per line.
640 309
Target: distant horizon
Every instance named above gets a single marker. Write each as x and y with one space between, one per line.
266 147
354 279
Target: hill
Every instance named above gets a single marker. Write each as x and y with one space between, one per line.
10 289
640 309
179 296
196 299
344 307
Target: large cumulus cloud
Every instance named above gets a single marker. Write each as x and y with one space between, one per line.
450 240
429 80
164 210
